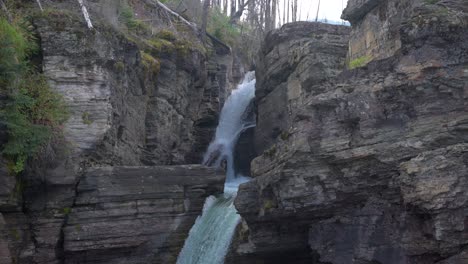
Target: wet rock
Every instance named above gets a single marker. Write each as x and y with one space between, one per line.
120 114
370 163
136 214
244 152
5 256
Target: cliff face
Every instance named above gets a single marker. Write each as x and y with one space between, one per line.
136 214
126 109
366 165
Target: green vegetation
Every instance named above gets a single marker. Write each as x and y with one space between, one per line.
15 234
156 43
431 2
219 26
33 110
151 64
167 35
285 135
158 46
119 66
86 119
66 210
268 204
16 43
127 16
19 186
359 62
271 152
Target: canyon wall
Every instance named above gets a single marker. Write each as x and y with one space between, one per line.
367 165
144 101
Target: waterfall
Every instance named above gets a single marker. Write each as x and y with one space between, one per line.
211 235
233 121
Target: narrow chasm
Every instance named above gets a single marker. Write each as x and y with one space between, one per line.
235 132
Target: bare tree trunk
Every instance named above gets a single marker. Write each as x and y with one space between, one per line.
273 14
284 12
295 11
206 6
267 15
287 12
225 7
293 17
85 14
252 13
40 6
318 9
299 13
262 14
279 13
233 7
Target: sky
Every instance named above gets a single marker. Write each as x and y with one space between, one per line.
329 9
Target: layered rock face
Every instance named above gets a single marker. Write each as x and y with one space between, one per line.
363 166
125 110
136 214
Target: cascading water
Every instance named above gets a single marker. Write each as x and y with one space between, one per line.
211 235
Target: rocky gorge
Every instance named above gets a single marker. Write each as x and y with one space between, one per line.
360 153
136 106
367 165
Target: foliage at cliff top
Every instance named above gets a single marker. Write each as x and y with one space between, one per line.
33 110
359 62
219 26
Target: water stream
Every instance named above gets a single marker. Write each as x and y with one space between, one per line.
211 235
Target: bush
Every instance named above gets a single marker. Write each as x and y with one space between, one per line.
219 26
152 65
127 17
359 62
158 46
167 35
33 109
16 44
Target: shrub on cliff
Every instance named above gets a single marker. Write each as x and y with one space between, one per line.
219 26
33 110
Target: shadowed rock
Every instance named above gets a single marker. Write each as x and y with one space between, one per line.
136 214
366 165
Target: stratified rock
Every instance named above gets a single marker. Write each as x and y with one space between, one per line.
357 9
121 112
8 199
5 256
136 214
291 60
366 166
376 24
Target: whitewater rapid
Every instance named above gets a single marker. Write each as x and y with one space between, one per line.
211 235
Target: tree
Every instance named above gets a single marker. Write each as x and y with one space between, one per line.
318 9
238 14
273 13
206 6
267 15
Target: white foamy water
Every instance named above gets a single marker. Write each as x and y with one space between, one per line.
233 121
211 235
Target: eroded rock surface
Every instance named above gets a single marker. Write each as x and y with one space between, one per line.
136 214
368 165
125 110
